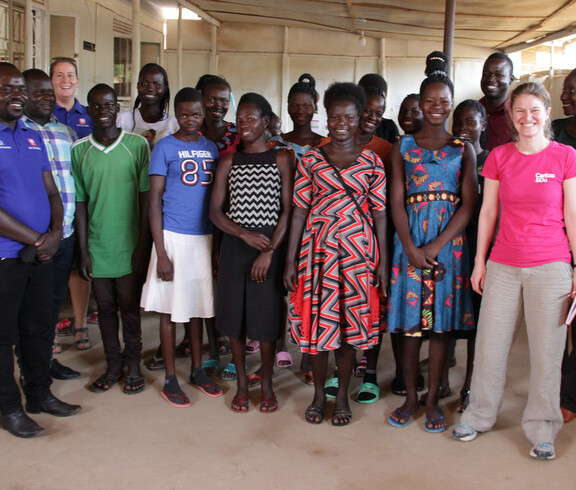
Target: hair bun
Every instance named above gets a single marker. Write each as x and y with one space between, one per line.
436 63
307 78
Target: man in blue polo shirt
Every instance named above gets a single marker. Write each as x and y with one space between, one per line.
30 234
64 75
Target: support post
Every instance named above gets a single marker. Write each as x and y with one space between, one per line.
449 19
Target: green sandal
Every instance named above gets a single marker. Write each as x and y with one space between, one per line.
331 388
210 367
369 393
229 372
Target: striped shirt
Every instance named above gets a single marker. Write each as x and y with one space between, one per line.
58 139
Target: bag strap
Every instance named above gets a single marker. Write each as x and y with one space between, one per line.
344 184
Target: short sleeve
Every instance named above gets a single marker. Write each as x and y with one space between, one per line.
143 161
158 160
570 164
77 173
490 170
377 190
303 182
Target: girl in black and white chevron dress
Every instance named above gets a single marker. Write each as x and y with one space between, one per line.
251 204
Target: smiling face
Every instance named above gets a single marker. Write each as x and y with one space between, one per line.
190 116
410 116
568 96
301 109
216 101
496 79
103 109
436 103
468 124
371 116
529 115
65 80
250 124
151 86
13 95
41 99
342 120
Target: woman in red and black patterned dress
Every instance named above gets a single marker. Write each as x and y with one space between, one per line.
337 262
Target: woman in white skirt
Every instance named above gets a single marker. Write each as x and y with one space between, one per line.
179 282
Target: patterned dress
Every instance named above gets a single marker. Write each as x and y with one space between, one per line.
439 299
336 300
243 306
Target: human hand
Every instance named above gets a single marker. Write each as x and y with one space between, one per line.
290 277
261 265
422 258
47 244
382 280
255 240
479 276
165 269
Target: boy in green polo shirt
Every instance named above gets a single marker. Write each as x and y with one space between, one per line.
110 168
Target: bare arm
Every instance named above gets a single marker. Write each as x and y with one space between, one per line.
142 251
569 187
164 269
255 240
299 217
48 243
486 227
81 225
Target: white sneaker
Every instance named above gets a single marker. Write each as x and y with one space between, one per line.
543 450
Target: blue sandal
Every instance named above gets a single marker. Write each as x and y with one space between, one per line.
229 372
430 421
210 367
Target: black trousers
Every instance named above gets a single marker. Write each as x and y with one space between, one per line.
119 293
26 294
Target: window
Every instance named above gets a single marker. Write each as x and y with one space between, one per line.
122 66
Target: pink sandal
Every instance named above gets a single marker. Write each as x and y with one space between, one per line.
285 358
252 347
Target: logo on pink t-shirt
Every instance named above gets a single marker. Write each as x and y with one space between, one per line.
543 177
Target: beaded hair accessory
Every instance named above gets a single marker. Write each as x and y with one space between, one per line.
438 72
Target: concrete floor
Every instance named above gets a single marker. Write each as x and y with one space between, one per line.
139 441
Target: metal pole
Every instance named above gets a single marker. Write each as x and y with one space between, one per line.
135 49
449 18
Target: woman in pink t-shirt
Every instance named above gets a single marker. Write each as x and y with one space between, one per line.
529 274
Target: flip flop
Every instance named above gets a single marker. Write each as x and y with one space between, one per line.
269 405
133 385
209 389
156 363
344 415
179 401
400 415
229 372
210 367
254 380
314 415
241 403
252 347
331 388
284 357
369 393
433 421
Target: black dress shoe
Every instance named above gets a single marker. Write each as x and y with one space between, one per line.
50 404
58 371
20 425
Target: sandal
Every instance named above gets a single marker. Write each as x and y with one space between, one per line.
156 363
133 385
254 380
360 370
64 328
269 405
252 347
223 345
283 359
341 417
209 389
84 342
400 415
210 367
314 415
369 393
104 383
308 377
431 422
331 388
183 349
464 401
56 347
229 372
240 404
176 400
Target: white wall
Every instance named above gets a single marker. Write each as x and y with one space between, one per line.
257 58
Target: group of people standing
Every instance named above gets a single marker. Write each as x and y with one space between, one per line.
369 231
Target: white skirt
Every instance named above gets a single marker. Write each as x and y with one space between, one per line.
190 293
